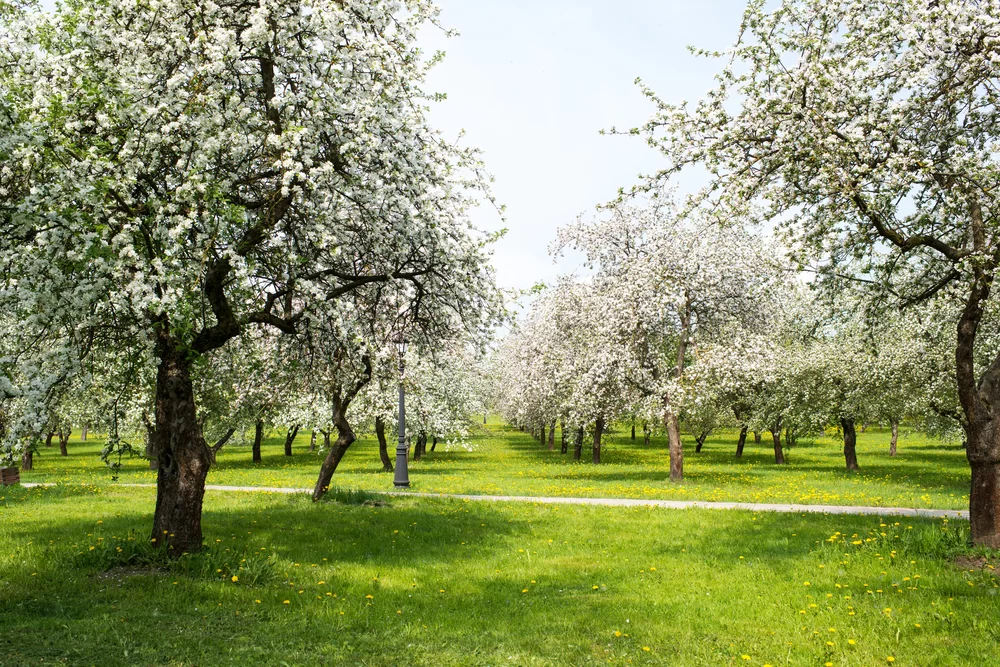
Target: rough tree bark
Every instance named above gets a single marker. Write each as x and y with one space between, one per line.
183 457
578 444
258 437
598 432
290 438
383 447
779 456
742 441
28 459
894 423
64 442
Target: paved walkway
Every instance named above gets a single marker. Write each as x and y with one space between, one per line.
632 502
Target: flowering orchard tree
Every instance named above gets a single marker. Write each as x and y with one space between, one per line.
176 172
664 284
870 130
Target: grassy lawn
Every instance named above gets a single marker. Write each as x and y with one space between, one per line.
446 582
926 472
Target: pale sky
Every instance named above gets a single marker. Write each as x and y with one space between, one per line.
532 82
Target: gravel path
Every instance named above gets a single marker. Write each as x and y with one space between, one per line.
631 502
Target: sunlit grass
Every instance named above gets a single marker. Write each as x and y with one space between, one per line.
926 472
442 582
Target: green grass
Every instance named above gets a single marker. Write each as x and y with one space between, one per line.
926 473
460 583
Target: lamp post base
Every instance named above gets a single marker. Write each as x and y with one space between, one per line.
399 485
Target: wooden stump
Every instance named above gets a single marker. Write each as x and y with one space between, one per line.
10 476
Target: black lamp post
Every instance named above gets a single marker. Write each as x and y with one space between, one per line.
402 477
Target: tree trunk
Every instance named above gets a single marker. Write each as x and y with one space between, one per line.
48 438
564 443
258 437
28 459
676 448
83 432
552 435
434 443
673 427
742 441
578 444
779 456
63 442
418 450
850 442
541 436
647 433
633 429
895 436
345 438
383 447
700 440
290 438
312 441
756 437
150 445
183 457
598 432
214 449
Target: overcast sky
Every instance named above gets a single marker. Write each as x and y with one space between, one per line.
532 82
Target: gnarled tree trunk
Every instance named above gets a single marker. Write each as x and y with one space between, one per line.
676 448
850 442
894 423
48 438
28 459
598 432
183 458
383 447
63 442
345 438
290 438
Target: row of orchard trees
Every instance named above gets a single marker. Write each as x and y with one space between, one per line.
691 324
214 213
867 133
